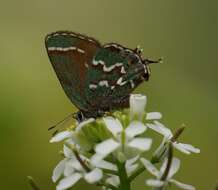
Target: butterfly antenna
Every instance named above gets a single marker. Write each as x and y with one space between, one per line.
148 61
62 121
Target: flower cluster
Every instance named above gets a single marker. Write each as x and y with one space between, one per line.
110 151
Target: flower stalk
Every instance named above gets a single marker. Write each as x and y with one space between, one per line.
169 163
86 168
178 133
124 181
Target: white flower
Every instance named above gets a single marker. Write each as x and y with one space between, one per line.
158 174
153 115
137 108
125 143
167 133
72 171
111 141
61 136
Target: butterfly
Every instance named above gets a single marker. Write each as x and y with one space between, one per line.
96 78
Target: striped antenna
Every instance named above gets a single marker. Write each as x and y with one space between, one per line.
72 115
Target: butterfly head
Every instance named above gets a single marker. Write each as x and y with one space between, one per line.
138 69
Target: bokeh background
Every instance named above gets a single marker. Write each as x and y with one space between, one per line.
184 88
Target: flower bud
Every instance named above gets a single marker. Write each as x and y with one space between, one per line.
137 106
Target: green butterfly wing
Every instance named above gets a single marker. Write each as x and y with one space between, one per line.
70 55
105 84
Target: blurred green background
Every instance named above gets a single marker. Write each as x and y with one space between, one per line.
184 88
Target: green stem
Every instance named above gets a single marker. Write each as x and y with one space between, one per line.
124 181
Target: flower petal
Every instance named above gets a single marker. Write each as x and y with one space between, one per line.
163 167
175 165
137 106
154 183
71 141
191 148
153 115
132 160
106 147
106 165
113 125
131 168
58 171
186 148
160 128
179 147
113 180
96 158
142 144
83 123
182 185
161 152
68 181
61 136
150 167
75 164
68 152
68 170
135 128
94 176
